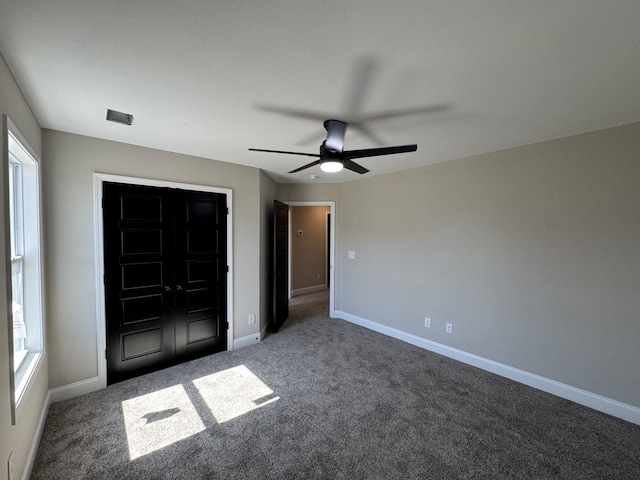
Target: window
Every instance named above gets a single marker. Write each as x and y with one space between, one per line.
17 262
26 263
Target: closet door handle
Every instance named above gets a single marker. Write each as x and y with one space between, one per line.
178 287
167 288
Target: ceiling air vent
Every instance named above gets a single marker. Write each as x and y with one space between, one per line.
119 117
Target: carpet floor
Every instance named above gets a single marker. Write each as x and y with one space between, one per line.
324 398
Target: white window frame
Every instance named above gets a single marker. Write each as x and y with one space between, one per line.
23 245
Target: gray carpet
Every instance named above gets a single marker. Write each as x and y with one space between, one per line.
324 398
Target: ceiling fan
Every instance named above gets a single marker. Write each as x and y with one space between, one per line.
333 157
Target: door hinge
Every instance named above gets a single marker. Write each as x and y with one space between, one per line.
102 202
227 325
104 278
227 268
105 354
227 210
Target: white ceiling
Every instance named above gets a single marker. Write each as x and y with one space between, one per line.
212 78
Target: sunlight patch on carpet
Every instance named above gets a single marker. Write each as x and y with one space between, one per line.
159 419
234 392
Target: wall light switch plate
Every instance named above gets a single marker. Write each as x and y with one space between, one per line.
352 255
427 322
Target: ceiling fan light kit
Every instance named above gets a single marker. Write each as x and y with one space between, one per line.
333 158
331 166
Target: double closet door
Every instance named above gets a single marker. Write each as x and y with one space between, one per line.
165 277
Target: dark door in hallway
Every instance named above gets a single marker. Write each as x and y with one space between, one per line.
165 277
280 265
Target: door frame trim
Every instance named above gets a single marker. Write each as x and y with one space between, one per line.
332 243
98 180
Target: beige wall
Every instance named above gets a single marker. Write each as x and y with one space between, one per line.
309 251
308 192
533 254
23 436
71 161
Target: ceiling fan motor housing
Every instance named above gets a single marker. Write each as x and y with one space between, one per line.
335 136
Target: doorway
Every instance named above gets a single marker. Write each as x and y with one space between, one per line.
327 222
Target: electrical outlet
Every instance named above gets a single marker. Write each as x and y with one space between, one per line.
252 319
449 328
352 255
317 276
10 467
427 322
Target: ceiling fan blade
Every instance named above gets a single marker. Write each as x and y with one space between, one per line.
439 107
354 167
294 112
335 135
375 152
308 165
367 132
359 87
284 152
314 138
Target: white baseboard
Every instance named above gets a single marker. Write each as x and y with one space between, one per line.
74 389
618 409
35 443
302 291
246 341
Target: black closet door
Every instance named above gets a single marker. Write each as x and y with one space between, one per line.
138 251
165 277
201 273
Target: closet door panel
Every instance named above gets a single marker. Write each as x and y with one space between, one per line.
138 251
200 259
